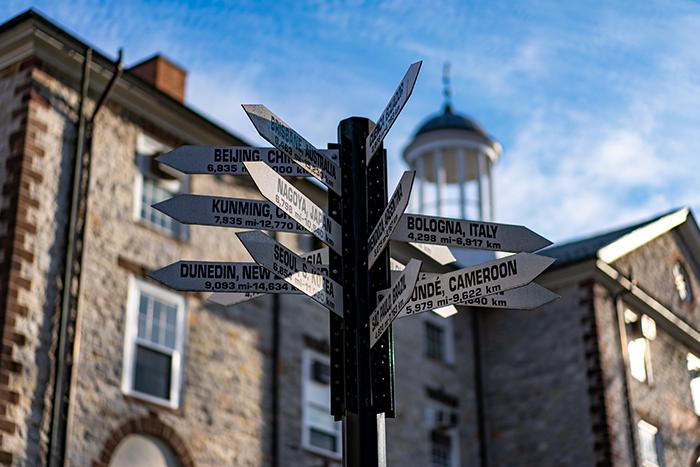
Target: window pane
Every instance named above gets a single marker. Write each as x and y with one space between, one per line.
153 193
637 349
144 303
323 440
170 325
435 341
152 372
441 450
648 444
155 323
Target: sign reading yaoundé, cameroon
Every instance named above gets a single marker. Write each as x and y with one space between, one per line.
392 110
296 205
316 257
228 212
286 264
321 165
216 276
397 204
527 297
484 279
228 160
389 307
467 234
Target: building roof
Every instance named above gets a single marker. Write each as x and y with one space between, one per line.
448 120
613 244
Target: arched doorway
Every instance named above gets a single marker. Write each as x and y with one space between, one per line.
140 450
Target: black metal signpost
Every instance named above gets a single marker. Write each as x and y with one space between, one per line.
361 336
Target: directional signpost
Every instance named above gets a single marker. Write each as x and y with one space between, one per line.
228 160
354 278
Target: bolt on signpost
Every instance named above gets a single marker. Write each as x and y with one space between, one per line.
354 278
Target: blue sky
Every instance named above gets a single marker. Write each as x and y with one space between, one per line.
597 104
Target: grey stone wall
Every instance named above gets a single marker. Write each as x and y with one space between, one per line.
537 400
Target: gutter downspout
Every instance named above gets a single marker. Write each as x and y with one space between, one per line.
479 390
275 383
65 348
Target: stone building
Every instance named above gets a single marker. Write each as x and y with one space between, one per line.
101 366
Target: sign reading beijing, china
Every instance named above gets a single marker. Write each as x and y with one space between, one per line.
228 160
296 204
321 165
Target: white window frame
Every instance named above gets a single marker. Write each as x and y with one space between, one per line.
639 348
136 287
694 365
146 147
649 429
452 433
446 324
308 357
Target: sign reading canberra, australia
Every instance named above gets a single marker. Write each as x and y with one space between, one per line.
228 160
457 287
467 234
228 212
296 205
303 275
321 165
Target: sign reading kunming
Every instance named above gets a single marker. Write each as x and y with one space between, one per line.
321 165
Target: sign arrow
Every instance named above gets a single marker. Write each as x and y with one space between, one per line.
286 264
316 257
467 234
392 110
293 202
228 212
527 297
438 253
216 276
484 279
228 160
390 306
321 165
397 204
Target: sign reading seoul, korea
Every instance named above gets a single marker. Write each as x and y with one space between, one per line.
321 165
228 160
296 205
228 212
291 267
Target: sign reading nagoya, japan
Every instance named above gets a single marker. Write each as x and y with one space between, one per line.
215 276
457 287
467 234
286 264
321 165
228 160
392 110
389 307
296 205
317 257
228 212
398 202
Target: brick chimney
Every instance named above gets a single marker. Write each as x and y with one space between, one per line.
164 75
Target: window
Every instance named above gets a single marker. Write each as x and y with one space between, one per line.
440 449
321 433
649 444
637 328
438 338
153 344
444 440
694 370
156 183
680 278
